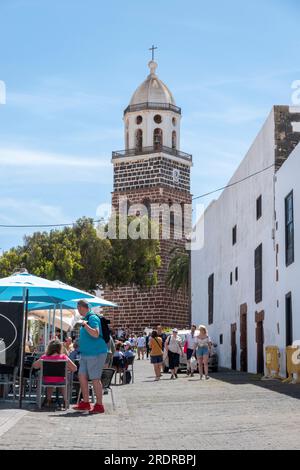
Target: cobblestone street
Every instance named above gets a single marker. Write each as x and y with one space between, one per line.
230 411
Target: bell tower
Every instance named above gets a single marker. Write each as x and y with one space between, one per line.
152 123
153 170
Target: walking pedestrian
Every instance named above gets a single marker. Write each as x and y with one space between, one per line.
147 338
132 339
163 336
156 355
202 348
174 349
141 343
190 343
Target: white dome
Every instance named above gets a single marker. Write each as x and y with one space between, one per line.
152 90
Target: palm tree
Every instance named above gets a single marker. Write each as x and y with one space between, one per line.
178 275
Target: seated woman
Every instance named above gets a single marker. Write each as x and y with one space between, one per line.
118 358
110 353
128 352
54 353
75 354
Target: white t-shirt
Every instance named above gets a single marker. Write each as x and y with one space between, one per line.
174 344
191 340
132 341
141 342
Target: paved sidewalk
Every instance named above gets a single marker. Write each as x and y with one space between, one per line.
230 411
9 418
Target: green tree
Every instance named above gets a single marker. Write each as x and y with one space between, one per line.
94 255
54 255
78 256
133 261
178 275
10 260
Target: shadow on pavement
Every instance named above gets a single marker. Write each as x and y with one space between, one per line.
71 414
243 378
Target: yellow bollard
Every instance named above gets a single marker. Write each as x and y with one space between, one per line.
292 364
272 362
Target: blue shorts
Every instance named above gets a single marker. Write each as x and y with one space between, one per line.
156 359
189 353
202 352
92 366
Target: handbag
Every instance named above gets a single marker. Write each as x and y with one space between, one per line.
164 354
159 345
166 358
194 363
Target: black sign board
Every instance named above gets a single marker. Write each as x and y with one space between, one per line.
11 331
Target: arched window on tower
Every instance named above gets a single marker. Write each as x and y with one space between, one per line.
147 205
127 140
172 215
174 139
157 139
183 227
139 140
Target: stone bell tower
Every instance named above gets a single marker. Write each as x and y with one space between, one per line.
153 170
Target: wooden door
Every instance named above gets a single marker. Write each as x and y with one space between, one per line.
243 339
260 347
233 346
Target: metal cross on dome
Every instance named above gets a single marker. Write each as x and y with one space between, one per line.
153 49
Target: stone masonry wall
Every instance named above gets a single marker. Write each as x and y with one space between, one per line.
150 172
286 138
143 308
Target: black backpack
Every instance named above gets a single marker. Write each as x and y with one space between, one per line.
105 329
127 377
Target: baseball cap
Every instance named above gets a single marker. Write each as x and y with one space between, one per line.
175 330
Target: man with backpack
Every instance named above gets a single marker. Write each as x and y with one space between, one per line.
94 335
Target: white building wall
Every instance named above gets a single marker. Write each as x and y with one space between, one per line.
237 206
287 180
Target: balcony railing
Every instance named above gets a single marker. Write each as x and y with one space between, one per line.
149 150
156 106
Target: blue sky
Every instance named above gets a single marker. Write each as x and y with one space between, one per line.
71 66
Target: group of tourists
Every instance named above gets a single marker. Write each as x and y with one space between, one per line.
91 352
138 342
166 350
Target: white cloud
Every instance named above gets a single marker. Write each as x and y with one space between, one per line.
26 212
17 157
263 80
96 135
231 115
29 211
35 170
52 101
